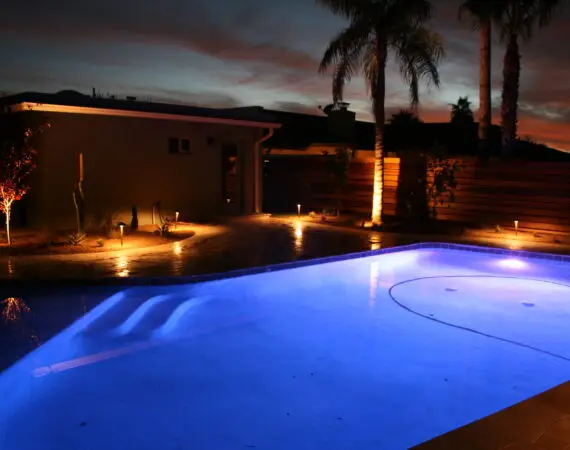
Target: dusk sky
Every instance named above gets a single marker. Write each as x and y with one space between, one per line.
244 52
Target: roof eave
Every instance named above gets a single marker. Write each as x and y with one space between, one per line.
45 107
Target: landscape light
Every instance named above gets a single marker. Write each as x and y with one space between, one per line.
512 263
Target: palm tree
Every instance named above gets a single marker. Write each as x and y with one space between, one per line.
518 20
483 12
461 112
405 118
376 28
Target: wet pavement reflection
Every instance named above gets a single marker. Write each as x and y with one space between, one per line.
247 244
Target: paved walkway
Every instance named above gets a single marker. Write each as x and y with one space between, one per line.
243 243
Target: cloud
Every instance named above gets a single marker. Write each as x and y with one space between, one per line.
197 26
296 107
203 98
272 49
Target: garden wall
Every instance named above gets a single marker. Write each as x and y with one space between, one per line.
496 192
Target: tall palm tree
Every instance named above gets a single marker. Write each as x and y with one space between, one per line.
518 21
377 28
483 12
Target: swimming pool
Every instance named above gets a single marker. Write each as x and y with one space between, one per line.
383 352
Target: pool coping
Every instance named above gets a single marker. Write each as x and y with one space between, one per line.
200 278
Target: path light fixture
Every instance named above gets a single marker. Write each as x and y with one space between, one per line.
177 215
299 211
516 228
122 228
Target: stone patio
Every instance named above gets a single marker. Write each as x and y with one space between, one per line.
241 243
539 423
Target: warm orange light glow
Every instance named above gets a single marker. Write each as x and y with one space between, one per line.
377 198
298 236
177 248
13 308
122 267
81 167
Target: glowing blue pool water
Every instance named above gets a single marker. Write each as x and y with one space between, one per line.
380 352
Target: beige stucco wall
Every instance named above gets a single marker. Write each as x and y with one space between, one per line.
127 163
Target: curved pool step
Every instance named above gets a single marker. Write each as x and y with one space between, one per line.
175 319
150 315
116 312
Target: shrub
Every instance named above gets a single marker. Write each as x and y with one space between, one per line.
76 239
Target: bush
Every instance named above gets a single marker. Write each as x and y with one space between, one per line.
76 239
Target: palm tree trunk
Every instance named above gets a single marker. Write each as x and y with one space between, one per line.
511 77
379 118
484 85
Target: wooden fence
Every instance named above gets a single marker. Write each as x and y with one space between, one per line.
497 192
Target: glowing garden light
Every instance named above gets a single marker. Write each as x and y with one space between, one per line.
512 263
299 211
516 227
122 228
177 214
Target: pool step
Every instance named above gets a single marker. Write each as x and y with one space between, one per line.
156 313
175 317
135 313
115 313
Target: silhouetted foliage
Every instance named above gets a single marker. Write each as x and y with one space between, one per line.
461 112
404 131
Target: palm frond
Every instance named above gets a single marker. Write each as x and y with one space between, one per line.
480 10
346 8
546 9
522 17
351 39
370 68
344 71
407 13
418 52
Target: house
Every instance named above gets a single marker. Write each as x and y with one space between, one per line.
199 162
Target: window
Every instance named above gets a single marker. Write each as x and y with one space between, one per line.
177 145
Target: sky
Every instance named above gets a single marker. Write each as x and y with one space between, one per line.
224 53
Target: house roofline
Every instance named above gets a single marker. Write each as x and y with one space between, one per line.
46 107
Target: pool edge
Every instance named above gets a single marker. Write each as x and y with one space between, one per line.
192 279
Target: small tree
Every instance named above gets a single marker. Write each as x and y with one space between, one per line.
16 165
441 180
